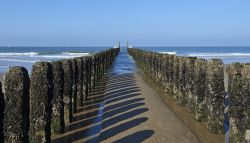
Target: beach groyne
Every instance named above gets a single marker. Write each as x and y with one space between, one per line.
200 86
34 107
239 95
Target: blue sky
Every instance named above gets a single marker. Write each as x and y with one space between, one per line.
141 22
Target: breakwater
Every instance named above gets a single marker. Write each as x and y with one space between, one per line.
200 86
34 107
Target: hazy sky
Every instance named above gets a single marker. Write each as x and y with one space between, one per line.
141 22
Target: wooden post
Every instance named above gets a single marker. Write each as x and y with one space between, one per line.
68 91
16 121
215 95
2 106
40 102
57 122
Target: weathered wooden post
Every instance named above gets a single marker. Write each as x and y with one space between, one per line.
154 66
215 95
84 79
41 93
199 89
183 81
2 106
93 70
190 83
167 87
57 121
104 62
176 88
16 114
80 82
246 101
68 91
146 62
75 80
89 74
238 87
157 67
171 73
97 67
160 72
150 56
163 71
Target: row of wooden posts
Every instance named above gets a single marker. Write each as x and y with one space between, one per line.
34 107
199 85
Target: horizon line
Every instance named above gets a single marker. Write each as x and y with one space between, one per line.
150 46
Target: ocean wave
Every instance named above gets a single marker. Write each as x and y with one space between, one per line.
52 55
1 66
19 54
170 53
73 53
64 55
219 54
16 60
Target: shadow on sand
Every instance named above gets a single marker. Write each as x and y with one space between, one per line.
111 109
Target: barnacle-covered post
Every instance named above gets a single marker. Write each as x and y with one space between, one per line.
176 87
190 83
16 114
41 93
199 89
238 88
89 75
183 81
80 82
215 95
84 78
67 92
246 101
75 80
57 121
2 106
171 73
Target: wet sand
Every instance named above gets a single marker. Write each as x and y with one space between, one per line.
198 128
122 109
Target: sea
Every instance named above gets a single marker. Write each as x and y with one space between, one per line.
27 56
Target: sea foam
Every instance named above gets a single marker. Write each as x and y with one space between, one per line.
170 53
219 54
